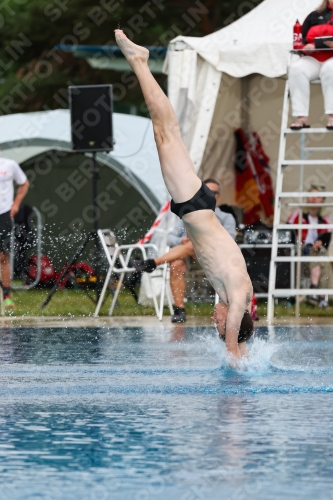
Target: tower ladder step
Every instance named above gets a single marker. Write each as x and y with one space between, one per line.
303 226
303 259
289 292
302 194
283 199
307 131
300 162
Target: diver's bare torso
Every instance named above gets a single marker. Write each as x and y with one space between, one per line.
220 258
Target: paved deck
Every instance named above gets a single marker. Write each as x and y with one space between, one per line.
132 321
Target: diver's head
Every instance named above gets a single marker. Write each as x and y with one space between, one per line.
220 319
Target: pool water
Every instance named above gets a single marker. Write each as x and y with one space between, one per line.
156 413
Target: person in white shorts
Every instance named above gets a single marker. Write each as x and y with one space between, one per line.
316 64
10 173
218 254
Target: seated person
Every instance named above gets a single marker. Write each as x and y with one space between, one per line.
315 64
315 241
181 249
321 273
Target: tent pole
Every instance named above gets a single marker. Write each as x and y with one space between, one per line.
245 115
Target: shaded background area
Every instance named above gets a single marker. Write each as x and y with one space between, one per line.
68 213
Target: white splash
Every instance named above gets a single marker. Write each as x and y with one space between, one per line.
258 362
260 354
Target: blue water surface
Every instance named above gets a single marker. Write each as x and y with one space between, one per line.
156 413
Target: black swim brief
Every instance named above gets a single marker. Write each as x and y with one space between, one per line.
204 199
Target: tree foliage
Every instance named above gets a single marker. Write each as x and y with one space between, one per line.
34 76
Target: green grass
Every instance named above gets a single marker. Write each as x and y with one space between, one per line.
68 302
284 310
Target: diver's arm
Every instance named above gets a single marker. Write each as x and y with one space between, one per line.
243 350
234 319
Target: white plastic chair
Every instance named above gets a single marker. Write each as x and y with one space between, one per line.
118 257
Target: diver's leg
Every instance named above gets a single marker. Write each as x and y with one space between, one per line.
177 167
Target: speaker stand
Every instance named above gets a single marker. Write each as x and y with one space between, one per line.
91 236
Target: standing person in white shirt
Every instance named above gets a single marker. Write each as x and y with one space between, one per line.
10 172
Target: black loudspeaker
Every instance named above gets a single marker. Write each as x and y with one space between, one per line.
91 117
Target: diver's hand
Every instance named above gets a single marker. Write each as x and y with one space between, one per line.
243 350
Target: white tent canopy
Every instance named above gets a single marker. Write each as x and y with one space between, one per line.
234 77
257 43
25 135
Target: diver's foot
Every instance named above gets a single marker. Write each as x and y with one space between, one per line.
133 53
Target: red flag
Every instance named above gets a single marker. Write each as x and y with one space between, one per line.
247 193
254 190
263 176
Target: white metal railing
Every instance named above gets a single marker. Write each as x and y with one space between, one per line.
281 195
